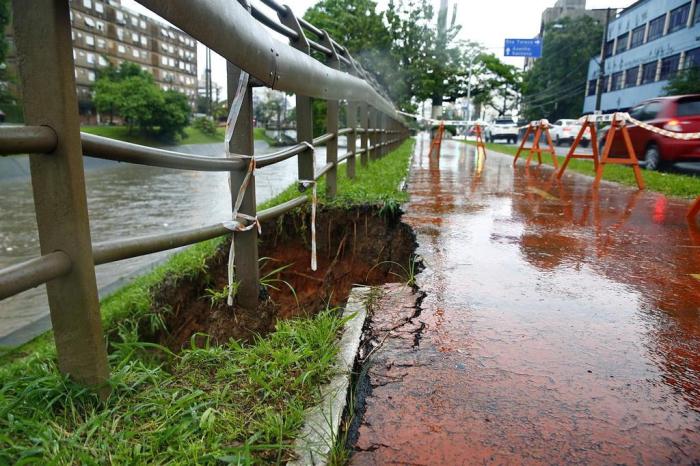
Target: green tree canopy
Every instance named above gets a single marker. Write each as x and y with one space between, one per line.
132 93
687 81
556 84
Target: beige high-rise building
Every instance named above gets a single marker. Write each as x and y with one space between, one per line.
106 32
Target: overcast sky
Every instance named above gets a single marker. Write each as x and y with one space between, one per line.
488 22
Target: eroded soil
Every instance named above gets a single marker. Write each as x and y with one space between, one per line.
363 245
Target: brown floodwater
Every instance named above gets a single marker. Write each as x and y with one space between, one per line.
559 324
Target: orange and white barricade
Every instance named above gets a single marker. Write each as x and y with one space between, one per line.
539 128
588 125
618 123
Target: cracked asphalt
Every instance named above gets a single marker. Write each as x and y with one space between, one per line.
554 324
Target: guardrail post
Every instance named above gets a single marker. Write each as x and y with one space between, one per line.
44 46
374 138
332 110
305 116
364 122
246 242
352 139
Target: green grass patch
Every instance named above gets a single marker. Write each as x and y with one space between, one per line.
233 403
192 136
673 184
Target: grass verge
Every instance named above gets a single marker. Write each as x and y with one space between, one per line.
192 136
232 403
673 184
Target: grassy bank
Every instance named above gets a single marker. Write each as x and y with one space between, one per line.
673 184
233 403
192 136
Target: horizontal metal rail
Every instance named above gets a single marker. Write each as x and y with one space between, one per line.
27 140
323 138
34 272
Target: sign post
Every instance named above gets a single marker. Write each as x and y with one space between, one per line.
529 48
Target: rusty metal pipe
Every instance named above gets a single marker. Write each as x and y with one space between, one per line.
34 272
27 140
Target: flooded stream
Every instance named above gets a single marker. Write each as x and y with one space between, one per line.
124 200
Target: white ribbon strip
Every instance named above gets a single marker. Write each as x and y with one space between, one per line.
314 202
234 225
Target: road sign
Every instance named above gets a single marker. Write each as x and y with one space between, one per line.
530 48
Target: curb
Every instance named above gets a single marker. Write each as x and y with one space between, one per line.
322 422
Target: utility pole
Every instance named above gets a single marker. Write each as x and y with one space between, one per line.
601 72
469 89
208 83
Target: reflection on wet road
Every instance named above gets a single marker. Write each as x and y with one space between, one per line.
561 325
124 200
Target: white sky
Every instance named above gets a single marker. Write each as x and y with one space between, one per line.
488 22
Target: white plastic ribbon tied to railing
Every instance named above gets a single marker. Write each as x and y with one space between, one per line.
314 201
623 116
238 220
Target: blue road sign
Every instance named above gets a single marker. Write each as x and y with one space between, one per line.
530 48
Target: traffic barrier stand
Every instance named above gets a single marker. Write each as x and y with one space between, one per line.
479 139
590 125
540 128
694 210
618 123
436 144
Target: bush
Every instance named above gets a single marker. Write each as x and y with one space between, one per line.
205 125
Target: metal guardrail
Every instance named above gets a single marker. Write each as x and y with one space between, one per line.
52 138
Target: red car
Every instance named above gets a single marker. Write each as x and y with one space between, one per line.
677 113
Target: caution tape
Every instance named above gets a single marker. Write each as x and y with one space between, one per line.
624 116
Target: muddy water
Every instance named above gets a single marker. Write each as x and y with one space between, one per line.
123 200
558 326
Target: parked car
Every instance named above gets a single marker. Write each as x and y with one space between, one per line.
502 128
679 114
565 131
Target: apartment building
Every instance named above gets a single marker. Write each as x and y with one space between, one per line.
106 32
647 44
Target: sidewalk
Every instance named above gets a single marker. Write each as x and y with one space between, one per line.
558 325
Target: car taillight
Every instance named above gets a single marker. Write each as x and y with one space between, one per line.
673 125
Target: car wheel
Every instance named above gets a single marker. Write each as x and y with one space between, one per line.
584 143
557 141
652 157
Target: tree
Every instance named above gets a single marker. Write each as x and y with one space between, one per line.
555 86
687 81
133 94
6 96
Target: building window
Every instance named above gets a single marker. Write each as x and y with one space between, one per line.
100 26
692 58
89 40
697 14
134 37
669 67
591 87
656 28
99 7
103 61
616 79
144 41
89 22
134 21
631 76
87 3
91 58
120 33
142 24
679 18
135 53
637 37
121 49
101 43
649 73
91 75
163 60
120 17
622 43
609 48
